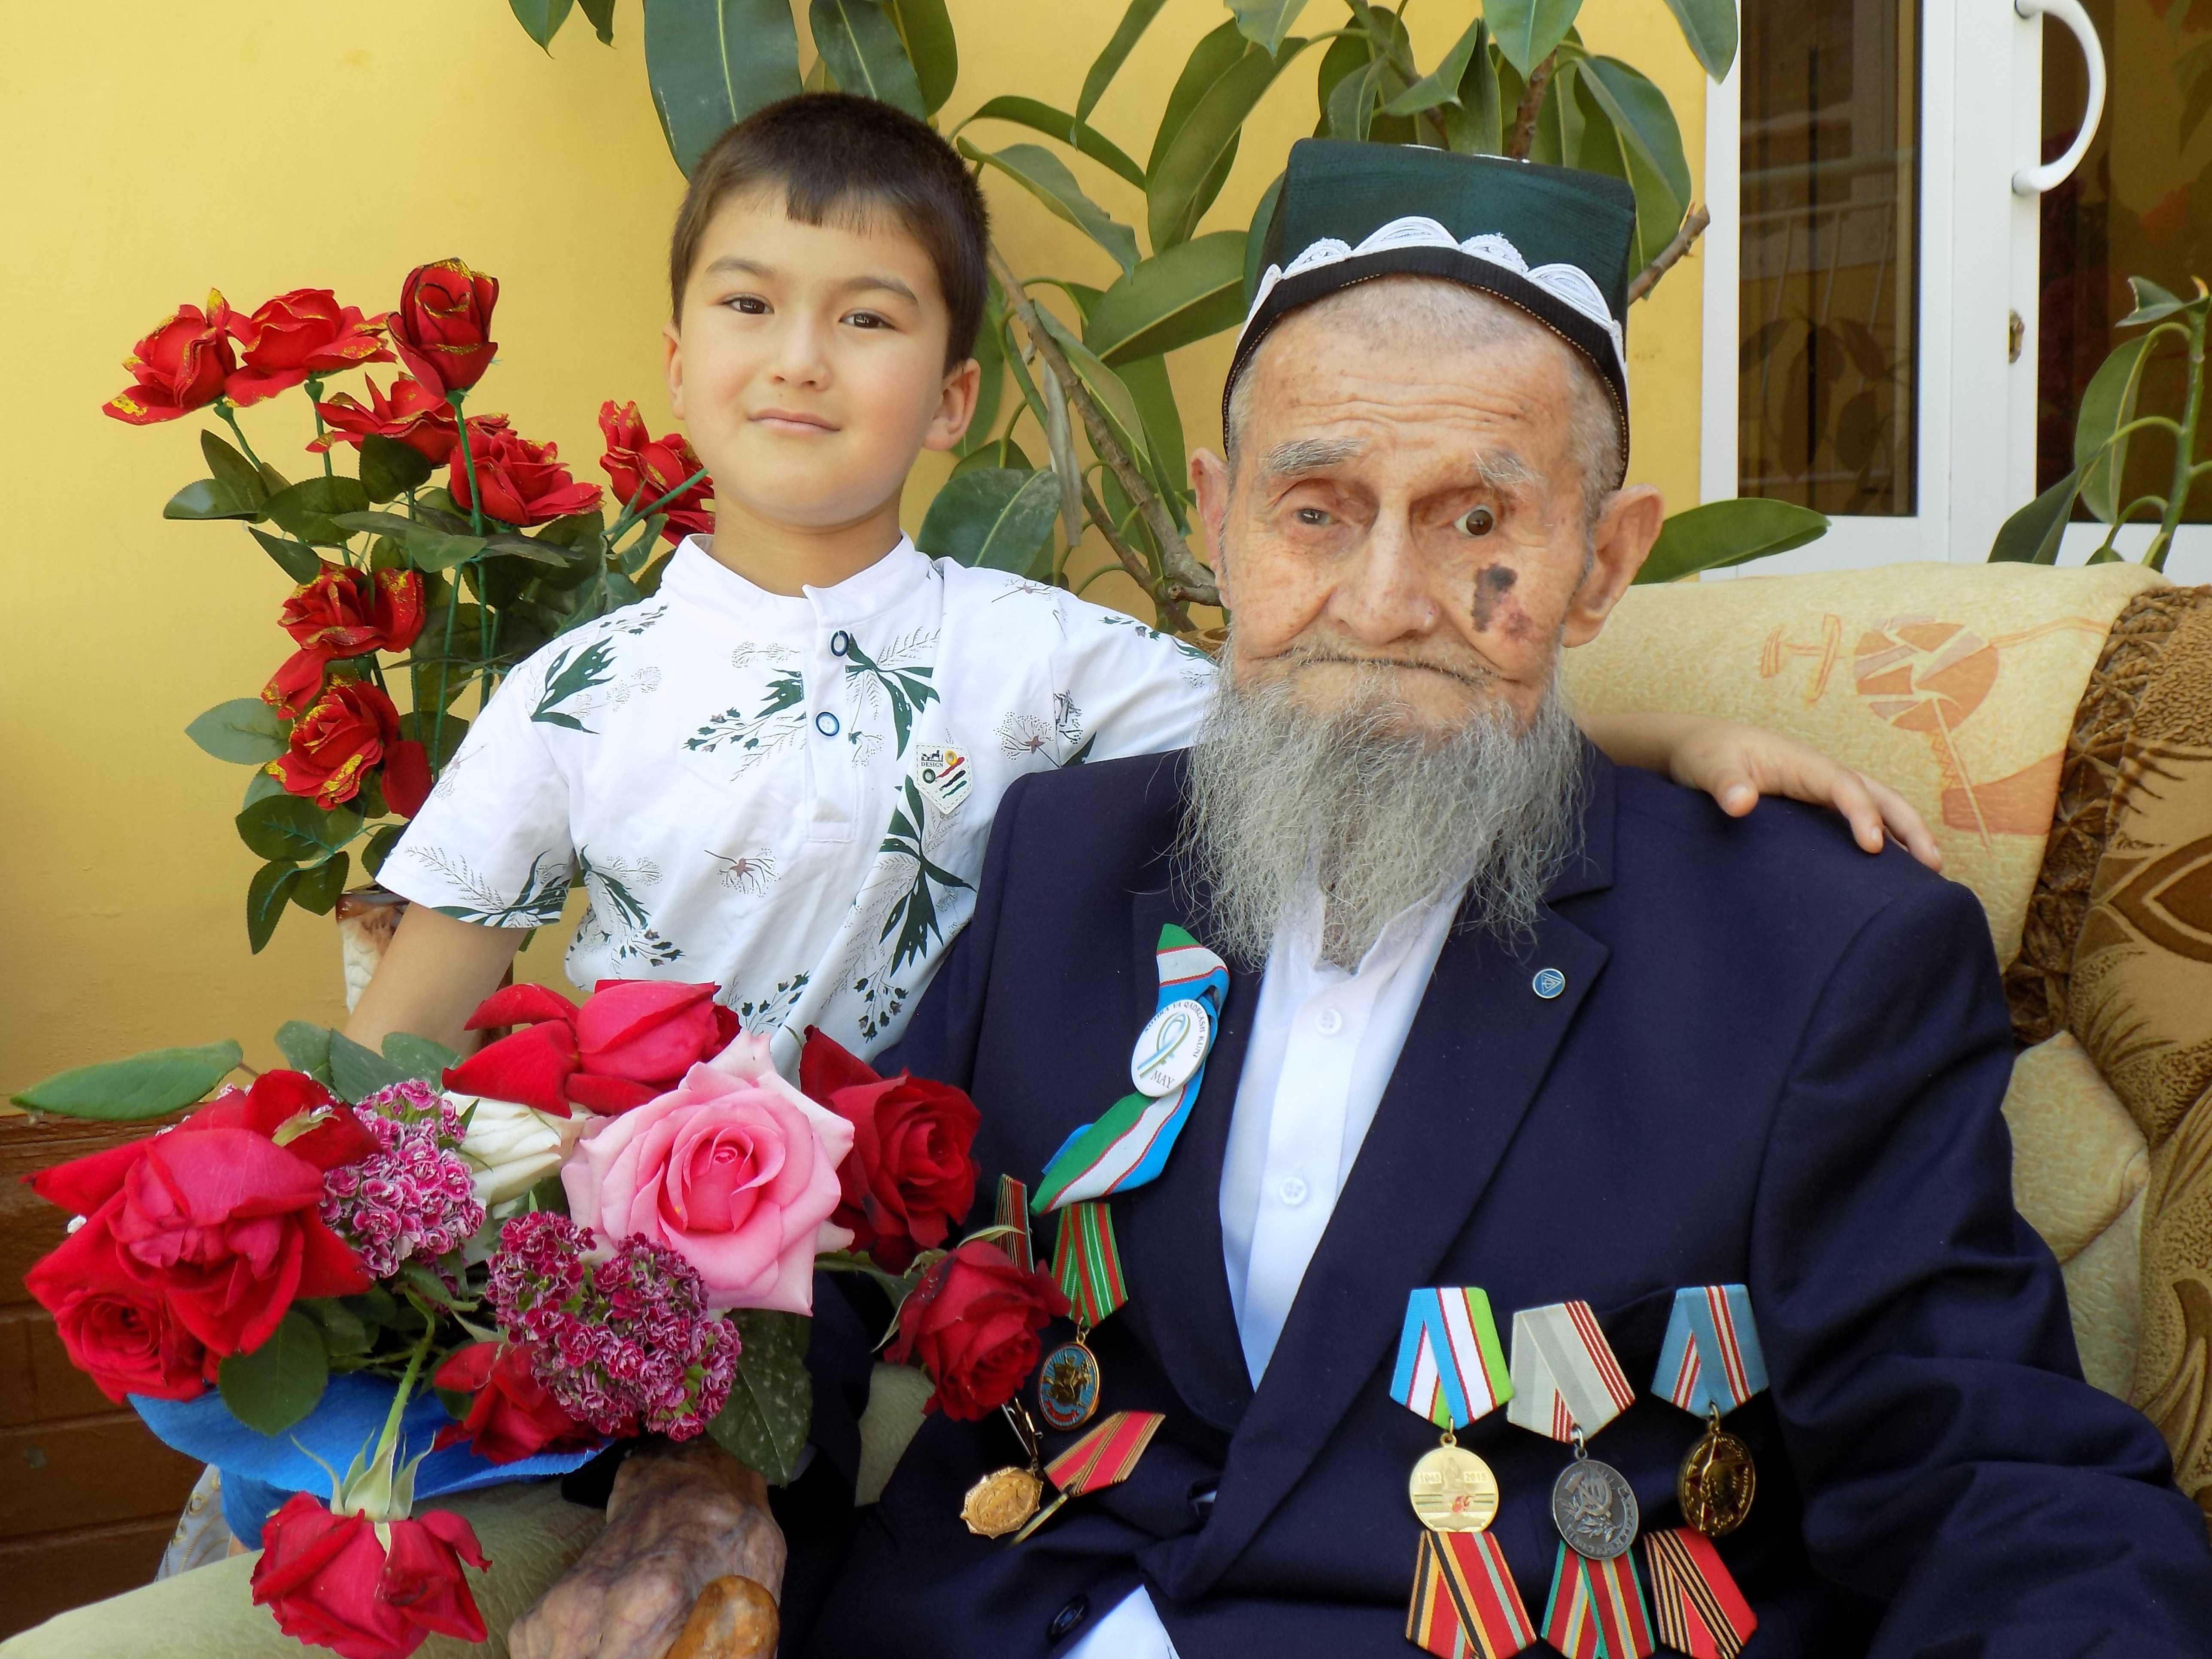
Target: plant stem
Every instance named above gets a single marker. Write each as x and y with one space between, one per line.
1522 137
1183 578
1173 617
630 515
469 465
315 403
1645 280
230 419
2184 449
390 1437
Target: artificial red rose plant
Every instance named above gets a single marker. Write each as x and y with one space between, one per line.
409 588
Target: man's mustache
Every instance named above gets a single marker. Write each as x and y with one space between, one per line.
1312 656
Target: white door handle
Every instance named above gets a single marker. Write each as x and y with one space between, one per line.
2033 181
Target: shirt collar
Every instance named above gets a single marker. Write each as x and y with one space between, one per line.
695 578
1298 941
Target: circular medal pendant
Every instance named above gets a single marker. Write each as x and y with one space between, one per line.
1001 1502
1717 1485
1594 1507
1453 1490
1067 1386
1172 1046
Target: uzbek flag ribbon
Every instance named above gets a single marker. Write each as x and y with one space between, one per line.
1130 1146
1711 1357
1105 1457
1451 1368
1696 1606
1465 1605
1012 1213
1596 1609
1564 1375
1086 1262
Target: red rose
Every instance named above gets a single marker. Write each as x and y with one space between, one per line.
179 368
909 1179
414 415
512 1416
442 329
342 613
126 1341
644 469
296 336
330 1582
217 1216
523 483
631 1042
344 732
973 1322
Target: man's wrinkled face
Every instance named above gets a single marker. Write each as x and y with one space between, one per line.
1414 505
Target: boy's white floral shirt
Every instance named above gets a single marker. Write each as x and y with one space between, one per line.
789 797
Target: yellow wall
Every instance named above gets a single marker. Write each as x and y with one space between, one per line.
258 145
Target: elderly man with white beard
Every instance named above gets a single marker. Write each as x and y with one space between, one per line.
1551 1210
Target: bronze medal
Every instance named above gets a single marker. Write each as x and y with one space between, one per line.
1002 1502
1717 1482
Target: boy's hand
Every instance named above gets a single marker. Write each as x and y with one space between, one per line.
1737 764
678 1518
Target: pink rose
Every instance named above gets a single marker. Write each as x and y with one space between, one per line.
735 1170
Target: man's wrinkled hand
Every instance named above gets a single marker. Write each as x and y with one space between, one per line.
679 1518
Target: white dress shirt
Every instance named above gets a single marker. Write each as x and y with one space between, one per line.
1323 1044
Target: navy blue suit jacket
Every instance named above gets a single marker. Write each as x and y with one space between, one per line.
1776 1062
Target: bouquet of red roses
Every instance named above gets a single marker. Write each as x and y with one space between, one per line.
440 563
456 1271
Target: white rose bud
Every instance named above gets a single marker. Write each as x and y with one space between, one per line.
511 1147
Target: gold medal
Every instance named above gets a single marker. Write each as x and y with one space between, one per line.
1004 1500
1717 1482
1452 1489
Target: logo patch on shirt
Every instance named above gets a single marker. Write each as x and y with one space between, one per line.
942 772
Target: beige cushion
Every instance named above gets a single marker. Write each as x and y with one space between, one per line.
1954 683
2103 1299
2078 1160
529 1533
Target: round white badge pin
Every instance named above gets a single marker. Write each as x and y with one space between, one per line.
1172 1046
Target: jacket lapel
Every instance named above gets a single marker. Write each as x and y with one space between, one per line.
1477 1053
1172 1226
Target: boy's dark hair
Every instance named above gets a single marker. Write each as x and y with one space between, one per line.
843 160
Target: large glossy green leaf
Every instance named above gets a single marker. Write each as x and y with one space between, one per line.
266 896
712 63
991 386
763 1423
602 15
1189 174
279 1383
2192 76
1216 53
1194 290
209 498
1352 103
1527 30
2099 456
292 828
1442 84
1730 532
1154 395
1265 23
1639 113
2032 535
1475 124
1059 123
541 19
1045 176
1255 240
1107 63
993 518
860 41
147 1085
307 508
1104 385
2153 303
245 731
999 452
932 47
1710 26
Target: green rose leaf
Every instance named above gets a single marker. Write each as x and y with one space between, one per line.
209 498
295 559
358 1071
390 468
292 828
431 549
308 509
282 1381
148 1085
763 1423
266 894
306 1048
419 1057
379 849
441 738
993 518
233 471
245 731
319 886
1723 533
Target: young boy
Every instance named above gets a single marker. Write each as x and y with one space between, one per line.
779 773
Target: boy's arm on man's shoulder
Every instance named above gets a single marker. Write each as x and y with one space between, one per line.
1128 688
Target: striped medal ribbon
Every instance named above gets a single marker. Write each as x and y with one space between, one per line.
1129 1145
1451 1370
1568 1385
1011 1212
1710 1364
1104 1457
1088 1265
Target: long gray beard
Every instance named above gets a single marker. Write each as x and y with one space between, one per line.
1385 816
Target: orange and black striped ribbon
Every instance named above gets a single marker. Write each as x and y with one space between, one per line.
1695 1604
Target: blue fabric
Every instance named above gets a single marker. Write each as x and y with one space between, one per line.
1776 1063
260 1471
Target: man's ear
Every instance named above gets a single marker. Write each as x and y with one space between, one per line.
956 406
673 366
1622 540
1209 477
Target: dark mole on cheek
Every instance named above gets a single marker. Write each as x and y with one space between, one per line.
1491 588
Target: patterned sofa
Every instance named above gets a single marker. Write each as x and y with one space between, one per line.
2055 728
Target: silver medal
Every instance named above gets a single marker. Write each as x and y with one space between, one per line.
1594 1507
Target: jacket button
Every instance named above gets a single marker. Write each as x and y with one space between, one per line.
1068 1617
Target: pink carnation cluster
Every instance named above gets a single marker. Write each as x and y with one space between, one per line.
624 1343
415 1197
